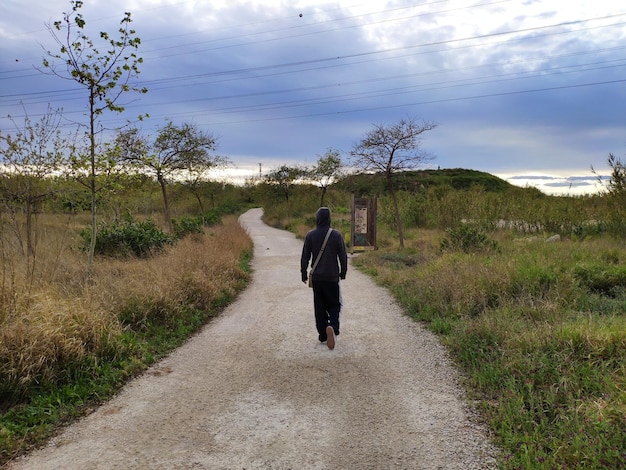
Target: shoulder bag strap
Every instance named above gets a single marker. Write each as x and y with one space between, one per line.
319 255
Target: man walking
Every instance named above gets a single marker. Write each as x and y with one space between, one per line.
327 268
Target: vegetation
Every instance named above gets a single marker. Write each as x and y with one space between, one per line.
327 171
128 237
538 328
66 346
389 150
68 342
283 181
414 181
177 150
28 159
615 194
105 76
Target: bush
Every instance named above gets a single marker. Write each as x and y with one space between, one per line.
213 217
467 239
188 224
605 279
127 237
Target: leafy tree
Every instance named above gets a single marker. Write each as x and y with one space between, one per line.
200 185
284 178
178 151
389 150
194 181
326 171
29 159
105 71
198 180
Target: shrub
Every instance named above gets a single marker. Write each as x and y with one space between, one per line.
213 217
467 239
606 279
127 237
186 226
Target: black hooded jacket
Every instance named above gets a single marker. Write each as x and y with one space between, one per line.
334 262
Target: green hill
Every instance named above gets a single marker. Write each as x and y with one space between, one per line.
418 180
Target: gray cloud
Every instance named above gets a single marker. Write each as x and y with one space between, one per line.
512 93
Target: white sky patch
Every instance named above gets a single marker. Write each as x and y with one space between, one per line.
554 184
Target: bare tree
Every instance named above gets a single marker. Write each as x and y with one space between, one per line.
178 151
326 171
392 149
104 75
29 160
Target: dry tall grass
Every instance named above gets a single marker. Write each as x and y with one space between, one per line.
50 317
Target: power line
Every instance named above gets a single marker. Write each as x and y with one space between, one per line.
230 28
420 103
363 54
591 66
343 57
394 91
349 60
318 32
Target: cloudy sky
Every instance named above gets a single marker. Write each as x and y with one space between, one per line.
533 91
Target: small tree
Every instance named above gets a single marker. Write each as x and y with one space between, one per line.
327 170
284 178
29 160
178 151
104 75
617 182
392 149
616 193
197 179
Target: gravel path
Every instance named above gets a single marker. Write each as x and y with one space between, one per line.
255 389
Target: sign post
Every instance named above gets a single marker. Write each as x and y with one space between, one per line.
363 227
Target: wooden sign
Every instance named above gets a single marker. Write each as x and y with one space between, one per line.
363 229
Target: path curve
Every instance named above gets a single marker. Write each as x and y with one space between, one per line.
255 389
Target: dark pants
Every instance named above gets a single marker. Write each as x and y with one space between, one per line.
327 304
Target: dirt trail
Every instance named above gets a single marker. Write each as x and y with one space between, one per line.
255 389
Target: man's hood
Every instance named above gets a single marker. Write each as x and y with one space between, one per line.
322 217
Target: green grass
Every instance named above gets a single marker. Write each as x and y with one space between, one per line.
539 331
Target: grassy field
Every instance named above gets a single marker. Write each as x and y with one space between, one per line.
539 329
67 345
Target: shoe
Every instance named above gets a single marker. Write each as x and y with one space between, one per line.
330 340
